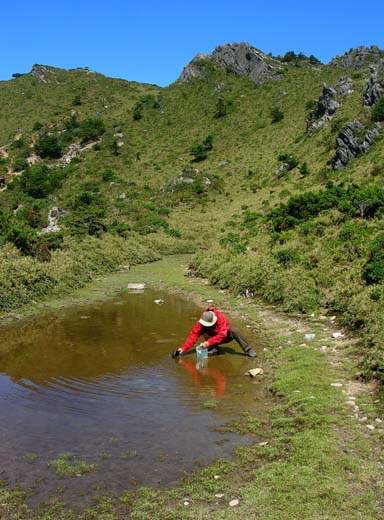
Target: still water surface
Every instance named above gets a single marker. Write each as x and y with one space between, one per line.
99 382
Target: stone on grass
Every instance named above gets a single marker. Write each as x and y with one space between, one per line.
370 427
234 502
337 384
337 335
219 495
254 372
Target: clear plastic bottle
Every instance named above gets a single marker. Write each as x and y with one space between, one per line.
201 352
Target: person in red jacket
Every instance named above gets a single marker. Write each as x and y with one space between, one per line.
216 330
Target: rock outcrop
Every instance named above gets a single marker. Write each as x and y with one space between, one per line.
240 58
53 221
374 88
353 140
358 57
39 72
328 103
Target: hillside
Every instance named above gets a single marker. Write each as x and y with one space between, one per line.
272 178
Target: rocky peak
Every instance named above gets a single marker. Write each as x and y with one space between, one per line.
240 58
359 57
42 73
374 88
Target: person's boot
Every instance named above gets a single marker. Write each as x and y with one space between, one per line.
250 352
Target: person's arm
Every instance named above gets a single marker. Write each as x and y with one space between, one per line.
194 335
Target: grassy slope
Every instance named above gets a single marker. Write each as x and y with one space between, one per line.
157 148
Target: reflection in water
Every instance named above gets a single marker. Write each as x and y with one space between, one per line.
100 380
200 370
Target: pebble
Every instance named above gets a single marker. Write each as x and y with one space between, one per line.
216 477
337 384
234 502
263 443
337 335
323 348
362 419
186 503
219 495
209 301
370 427
378 420
351 403
158 302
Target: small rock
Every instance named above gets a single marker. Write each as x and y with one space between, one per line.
351 403
254 372
219 495
337 335
378 420
370 427
332 318
323 348
186 503
310 335
337 384
216 477
209 301
263 443
158 302
363 419
234 502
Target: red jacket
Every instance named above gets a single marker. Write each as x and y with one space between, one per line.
216 333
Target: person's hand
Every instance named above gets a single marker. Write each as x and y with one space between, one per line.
176 353
205 344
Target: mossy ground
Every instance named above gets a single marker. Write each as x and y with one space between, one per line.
314 458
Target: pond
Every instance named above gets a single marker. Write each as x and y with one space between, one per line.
98 382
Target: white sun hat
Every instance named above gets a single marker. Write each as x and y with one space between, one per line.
208 318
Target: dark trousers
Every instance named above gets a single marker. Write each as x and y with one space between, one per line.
233 334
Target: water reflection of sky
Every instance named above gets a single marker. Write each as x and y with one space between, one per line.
100 379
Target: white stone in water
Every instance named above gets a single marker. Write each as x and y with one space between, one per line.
159 302
234 502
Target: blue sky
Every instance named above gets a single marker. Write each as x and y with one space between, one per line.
151 41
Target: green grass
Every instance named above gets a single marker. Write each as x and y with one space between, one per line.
66 465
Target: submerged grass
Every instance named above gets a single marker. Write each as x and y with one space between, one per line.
311 460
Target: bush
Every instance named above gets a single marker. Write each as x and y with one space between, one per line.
48 147
356 201
76 101
286 257
378 110
199 151
289 159
91 129
373 271
37 126
221 108
38 181
276 114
